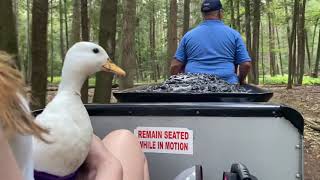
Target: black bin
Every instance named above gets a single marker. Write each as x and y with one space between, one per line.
256 94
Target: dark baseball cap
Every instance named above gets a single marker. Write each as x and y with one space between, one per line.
211 5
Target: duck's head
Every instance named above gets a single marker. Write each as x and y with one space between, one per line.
86 58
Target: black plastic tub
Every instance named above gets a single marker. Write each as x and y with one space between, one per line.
256 94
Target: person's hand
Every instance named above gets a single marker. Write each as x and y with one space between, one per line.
176 67
100 163
244 69
94 159
243 82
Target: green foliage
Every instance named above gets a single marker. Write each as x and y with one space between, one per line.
57 80
277 80
313 9
282 80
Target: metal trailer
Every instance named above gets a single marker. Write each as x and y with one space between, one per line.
268 139
180 130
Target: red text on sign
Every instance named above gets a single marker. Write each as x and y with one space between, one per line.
166 135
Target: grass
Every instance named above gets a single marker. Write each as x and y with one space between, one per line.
276 80
282 80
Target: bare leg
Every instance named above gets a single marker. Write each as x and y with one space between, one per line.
125 147
100 164
8 167
146 170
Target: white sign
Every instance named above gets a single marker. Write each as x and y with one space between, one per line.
165 140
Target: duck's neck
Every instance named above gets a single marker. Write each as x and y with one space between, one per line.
71 82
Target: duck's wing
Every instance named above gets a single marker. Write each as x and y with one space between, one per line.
65 152
70 140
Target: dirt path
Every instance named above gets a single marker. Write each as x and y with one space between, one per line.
306 100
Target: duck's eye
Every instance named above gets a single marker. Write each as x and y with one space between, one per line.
95 50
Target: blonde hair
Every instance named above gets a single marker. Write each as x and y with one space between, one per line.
15 117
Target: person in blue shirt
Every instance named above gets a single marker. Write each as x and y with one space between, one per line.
213 48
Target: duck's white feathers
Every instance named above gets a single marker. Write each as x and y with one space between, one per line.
70 133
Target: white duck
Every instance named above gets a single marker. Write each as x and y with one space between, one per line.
66 117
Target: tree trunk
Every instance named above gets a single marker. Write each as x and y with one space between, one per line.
233 21
314 37
316 67
85 33
152 40
128 43
308 52
39 53
66 23
15 6
291 46
238 15
186 19
262 55
280 54
76 22
272 55
172 34
85 30
248 33
287 20
137 68
255 42
301 41
248 25
16 19
51 41
62 49
139 53
8 31
107 39
294 66
28 43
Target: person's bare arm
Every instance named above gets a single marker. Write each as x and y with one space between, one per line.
244 69
8 167
176 67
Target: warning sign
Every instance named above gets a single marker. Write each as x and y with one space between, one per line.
165 140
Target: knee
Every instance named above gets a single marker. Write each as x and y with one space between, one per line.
123 138
122 132
118 142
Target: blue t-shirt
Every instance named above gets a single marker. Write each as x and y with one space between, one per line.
213 48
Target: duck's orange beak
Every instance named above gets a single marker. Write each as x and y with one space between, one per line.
109 66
